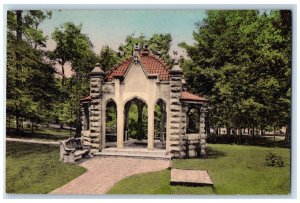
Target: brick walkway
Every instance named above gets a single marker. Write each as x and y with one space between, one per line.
103 173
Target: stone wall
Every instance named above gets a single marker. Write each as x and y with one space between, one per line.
96 79
203 135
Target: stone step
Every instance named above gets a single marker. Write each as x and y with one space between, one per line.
134 153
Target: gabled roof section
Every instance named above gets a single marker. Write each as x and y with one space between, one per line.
153 65
187 96
119 70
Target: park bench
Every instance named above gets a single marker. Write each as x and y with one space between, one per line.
72 150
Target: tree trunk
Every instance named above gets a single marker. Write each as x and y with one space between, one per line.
8 122
63 73
17 121
78 124
31 126
22 126
140 121
19 29
274 136
228 135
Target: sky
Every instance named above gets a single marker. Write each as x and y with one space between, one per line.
110 27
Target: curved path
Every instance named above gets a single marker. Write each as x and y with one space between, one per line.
103 173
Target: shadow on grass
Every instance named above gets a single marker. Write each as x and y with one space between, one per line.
263 141
48 134
214 154
268 141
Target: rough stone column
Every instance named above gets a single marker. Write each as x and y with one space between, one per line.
185 150
202 132
175 110
96 79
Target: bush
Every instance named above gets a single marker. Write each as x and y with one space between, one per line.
273 159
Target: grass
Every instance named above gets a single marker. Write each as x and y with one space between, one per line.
234 169
36 169
42 133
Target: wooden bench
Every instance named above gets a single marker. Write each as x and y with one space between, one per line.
72 150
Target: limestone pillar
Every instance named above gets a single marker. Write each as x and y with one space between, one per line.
202 132
96 79
120 126
175 110
150 127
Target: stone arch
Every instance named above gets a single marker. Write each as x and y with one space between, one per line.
110 127
160 123
193 119
135 130
135 97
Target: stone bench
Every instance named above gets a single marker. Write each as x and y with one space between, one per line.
72 150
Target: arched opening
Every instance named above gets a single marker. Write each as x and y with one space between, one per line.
193 120
86 116
160 118
111 124
136 123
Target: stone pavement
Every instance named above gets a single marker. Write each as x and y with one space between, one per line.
190 177
103 173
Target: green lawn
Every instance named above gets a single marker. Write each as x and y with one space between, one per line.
36 169
234 169
43 133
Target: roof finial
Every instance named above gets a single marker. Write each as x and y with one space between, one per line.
136 47
97 70
145 50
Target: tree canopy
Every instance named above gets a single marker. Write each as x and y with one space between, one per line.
241 60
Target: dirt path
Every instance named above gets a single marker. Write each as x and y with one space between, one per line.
103 173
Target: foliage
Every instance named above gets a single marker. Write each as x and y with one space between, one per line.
36 169
241 61
273 159
227 165
158 44
30 78
108 58
74 47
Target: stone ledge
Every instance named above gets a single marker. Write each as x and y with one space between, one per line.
190 177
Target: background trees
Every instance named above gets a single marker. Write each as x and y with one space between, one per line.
241 60
29 78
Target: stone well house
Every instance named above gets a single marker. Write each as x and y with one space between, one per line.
145 80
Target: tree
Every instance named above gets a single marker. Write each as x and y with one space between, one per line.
242 61
71 45
28 75
75 48
108 58
126 50
159 44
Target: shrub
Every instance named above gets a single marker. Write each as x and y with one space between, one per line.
273 159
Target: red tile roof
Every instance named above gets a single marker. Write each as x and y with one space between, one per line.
119 70
88 98
155 65
151 63
192 97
